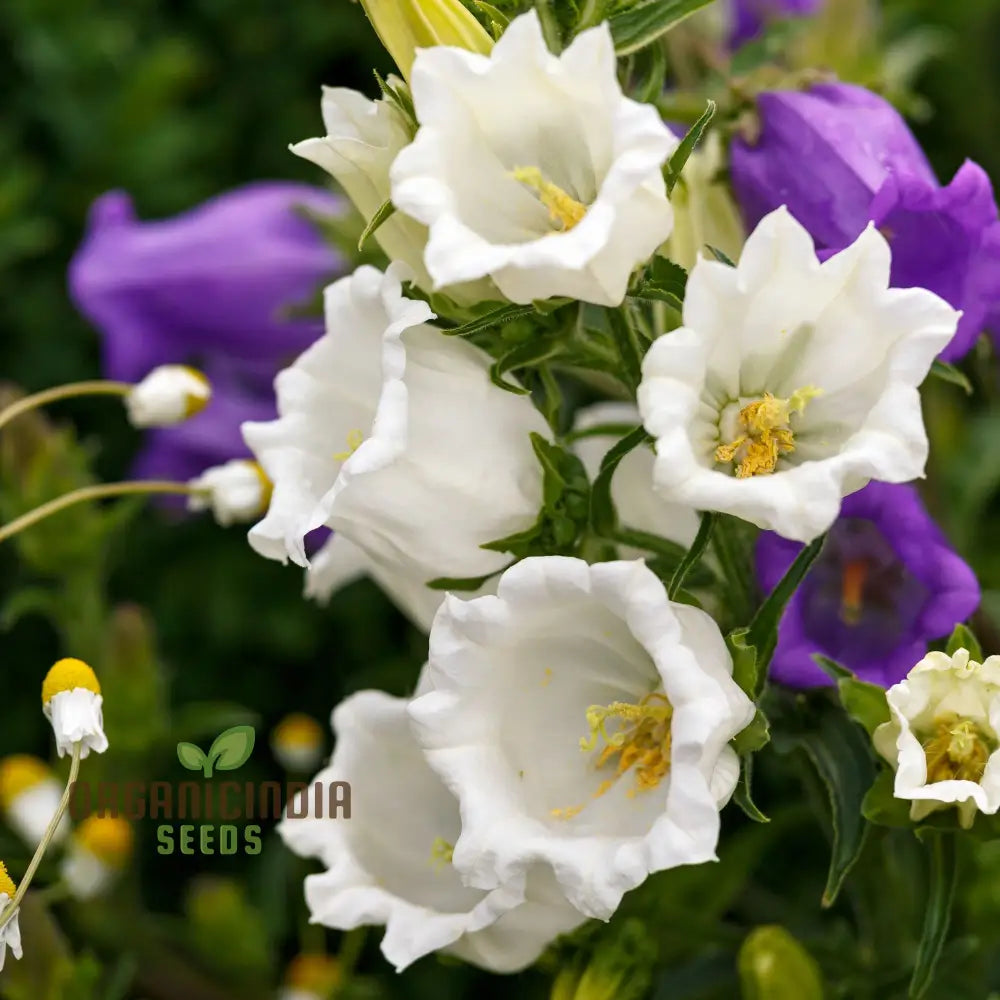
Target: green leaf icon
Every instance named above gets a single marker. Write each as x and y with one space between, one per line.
231 749
190 756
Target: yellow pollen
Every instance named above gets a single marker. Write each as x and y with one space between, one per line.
957 751
67 675
564 210
642 742
547 677
298 731
766 433
313 973
18 773
355 438
568 813
441 853
6 882
195 403
108 838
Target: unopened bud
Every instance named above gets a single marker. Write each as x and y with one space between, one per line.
168 395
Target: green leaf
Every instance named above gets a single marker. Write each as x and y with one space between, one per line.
651 83
693 555
231 749
964 638
949 373
645 21
664 281
464 583
531 352
774 966
865 703
192 757
842 759
755 737
496 317
603 518
721 257
763 630
674 166
385 210
941 848
498 17
880 805
742 795
744 655
657 544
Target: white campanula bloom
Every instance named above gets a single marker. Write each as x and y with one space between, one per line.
637 503
10 933
792 383
390 863
99 851
72 702
943 737
534 169
30 796
236 492
362 139
584 721
169 394
392 434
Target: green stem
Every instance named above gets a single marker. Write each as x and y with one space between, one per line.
99 491
74 769
97 387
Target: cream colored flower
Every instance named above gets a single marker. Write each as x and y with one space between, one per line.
168 395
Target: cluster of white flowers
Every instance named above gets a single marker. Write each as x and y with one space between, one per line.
570 733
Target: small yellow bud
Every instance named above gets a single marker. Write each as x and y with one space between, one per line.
297 742
403 26
313 973
6 882
108 838
18 773
66 675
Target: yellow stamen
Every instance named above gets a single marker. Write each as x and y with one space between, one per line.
568 813
6 882
18 773
108 838
767 435
853 590
66 675
441 853
564 210
957 751
547 677
355 438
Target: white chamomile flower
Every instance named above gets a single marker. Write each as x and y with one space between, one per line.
10 932
390 863
71 700
943 737
392 434
534 169
584 721
99 851
168 395
30 796
637 503
236 492
791 383
363 138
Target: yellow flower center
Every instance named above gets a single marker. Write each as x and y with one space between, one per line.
441 853
958 750
564 210
298 732
355 439
18 773
767 434
6 882
108 838
313 973
194 403
67 675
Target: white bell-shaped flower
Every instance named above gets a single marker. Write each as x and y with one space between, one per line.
792 383
584 721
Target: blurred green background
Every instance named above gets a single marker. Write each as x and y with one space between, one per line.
176 100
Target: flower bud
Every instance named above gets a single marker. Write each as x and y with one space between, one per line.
297 742
100 850
403 26
620 968
168 395
29 795
236 492
71 700
311 977
774 966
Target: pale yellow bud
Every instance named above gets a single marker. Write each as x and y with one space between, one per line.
403 26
